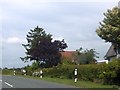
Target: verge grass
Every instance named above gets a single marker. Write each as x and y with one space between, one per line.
80 84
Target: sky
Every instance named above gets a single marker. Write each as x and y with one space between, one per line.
74 20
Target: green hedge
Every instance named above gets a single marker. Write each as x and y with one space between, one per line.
11 72
7 72
103 73
85 72
110 73
60 71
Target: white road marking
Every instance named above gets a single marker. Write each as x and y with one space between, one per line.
9 84
0 80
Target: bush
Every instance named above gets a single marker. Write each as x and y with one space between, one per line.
110 73
88 72
7 72
60 71
85 72
102 73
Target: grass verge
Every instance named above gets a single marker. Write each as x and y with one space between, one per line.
81 84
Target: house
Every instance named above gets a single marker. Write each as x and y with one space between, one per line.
69 55
112 53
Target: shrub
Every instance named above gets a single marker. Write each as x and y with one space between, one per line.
7 71
110 73
102 73
85 72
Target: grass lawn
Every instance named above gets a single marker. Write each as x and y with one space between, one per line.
81 84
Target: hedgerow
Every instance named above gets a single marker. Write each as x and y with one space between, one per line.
110 73
102 73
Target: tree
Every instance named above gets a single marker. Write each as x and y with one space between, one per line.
109 28
42 49
86 56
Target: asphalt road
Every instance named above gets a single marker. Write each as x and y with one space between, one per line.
21 82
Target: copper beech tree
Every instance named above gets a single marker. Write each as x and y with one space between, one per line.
41 48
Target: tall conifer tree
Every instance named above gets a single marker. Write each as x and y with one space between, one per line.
41 48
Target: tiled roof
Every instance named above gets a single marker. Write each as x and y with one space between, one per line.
68 54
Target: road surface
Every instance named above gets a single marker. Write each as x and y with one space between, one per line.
0 82
21 82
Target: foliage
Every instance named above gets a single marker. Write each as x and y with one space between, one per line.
110 74
100 73
109 28
6 71
61 71
42 49
68 62
35 65
86 56
85 72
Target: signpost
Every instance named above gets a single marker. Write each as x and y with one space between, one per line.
75 74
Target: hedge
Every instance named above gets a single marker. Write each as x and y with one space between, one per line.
110 73
102 73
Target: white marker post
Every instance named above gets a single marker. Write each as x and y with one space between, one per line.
41 73
24 71
14 72
75 74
